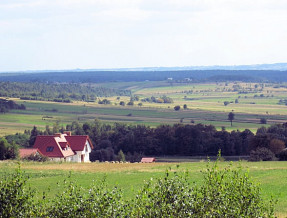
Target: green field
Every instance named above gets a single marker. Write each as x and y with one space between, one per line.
205 104
272 176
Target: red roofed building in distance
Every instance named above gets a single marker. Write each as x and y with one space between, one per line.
147 160
65 147
25 152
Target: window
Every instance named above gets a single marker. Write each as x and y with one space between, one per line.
49 149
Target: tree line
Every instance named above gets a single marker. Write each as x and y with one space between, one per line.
7 105
64 92
136 141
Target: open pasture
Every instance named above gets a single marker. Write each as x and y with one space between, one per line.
205 104
130 177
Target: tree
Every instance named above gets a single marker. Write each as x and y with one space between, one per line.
3 148
121 156
33 136
226 103
131 103
276 146
177 108
184 106
231 117
122 103
263 120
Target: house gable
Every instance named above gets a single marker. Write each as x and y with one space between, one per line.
50 147
61 146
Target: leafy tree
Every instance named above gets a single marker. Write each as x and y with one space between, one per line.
176 108
276 146
226 103
261 154
131 103
121 156
33 136
122 103
231 117
3 148
263 120
184 106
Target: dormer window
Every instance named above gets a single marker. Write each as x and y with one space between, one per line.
49 149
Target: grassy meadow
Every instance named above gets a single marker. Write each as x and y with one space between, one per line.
205 104
272 176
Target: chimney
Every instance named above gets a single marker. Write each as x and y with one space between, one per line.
58 135
68 133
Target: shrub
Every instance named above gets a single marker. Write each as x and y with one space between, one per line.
263 120
36 157
98 201
15 199
261 154
176 108
230 193
225 193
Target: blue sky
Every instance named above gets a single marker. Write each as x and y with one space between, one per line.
70 34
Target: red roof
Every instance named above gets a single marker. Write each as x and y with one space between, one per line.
78 142
50 147
148 159
24 152
61 145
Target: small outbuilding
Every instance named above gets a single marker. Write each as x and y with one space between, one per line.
148 160
25 152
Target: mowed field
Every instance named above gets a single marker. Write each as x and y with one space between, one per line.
205 104
130 177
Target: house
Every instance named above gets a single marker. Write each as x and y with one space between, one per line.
26 152
65 147
147 160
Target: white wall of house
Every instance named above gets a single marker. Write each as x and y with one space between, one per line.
82 156
58 159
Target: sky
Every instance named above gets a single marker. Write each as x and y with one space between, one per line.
93 34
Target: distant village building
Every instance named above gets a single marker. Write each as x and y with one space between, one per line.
170 79
65 147
187 79
148 160
26 152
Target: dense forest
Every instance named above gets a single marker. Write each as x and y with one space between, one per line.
127 76
181 140
57 92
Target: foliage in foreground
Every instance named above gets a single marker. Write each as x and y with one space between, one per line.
225 193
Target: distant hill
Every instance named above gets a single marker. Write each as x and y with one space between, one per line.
247 73
275 66
128 76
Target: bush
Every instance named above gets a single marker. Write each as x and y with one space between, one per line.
98 201
15 199
263 120
225 192
261 154
176 108
36 157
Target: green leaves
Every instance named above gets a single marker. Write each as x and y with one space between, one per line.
227 192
